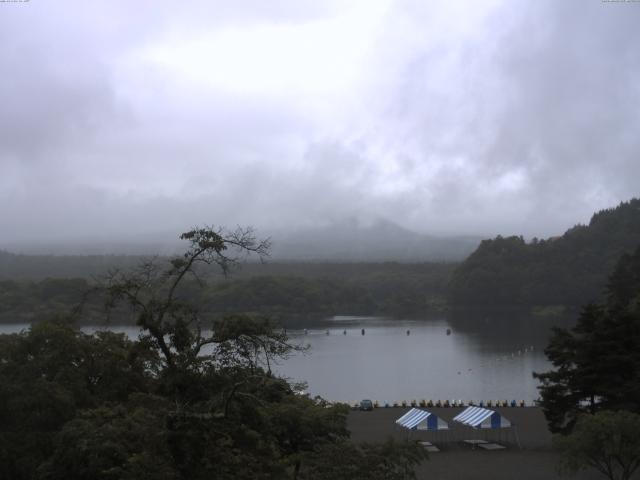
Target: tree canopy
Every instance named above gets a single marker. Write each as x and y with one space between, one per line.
607 441
291 293
597 362
191 398
568 270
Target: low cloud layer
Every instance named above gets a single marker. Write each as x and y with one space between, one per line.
127 118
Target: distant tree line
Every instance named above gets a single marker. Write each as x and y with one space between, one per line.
570 270
383 289
566 271
38 267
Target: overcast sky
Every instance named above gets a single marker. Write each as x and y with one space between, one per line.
120 118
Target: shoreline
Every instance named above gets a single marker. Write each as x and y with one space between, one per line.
458 461
378 424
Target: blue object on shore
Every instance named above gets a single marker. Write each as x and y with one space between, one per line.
416 419
366 405
478 417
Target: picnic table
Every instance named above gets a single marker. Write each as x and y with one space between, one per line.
474 443
492 446
429 447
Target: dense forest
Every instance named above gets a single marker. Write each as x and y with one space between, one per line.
177 403
290 293
38 267
546 275
570 270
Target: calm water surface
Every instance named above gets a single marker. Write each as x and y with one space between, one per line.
488 362
481 359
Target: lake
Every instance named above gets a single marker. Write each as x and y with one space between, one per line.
481 359
488 362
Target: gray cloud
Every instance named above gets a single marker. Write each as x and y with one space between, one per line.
491 117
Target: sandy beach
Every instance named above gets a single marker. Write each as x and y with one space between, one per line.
456 460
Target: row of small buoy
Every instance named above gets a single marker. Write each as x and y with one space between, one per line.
362 332
447 404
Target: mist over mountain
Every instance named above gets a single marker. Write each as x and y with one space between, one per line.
345 241
379 241
154 243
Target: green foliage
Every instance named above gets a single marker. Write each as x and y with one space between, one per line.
249 342
624 285
347 461
51 373
290 292
184 401
111 443
100 406
597 362
607 441
570 270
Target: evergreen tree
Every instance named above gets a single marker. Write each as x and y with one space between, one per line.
597 362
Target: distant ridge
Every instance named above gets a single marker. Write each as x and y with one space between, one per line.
380 241
347 242
34 267
569 270
341 241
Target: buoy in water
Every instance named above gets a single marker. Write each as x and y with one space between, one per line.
408 332
327 332
344 333
363 331
448 331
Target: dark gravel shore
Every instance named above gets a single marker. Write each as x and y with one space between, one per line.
456 460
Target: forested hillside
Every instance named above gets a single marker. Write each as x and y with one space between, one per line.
37 267
570 270
287 292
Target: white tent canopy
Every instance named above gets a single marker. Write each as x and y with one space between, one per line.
478 417
416 419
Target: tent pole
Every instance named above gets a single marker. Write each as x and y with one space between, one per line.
515 431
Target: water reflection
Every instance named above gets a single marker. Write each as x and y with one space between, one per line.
466 356
486 358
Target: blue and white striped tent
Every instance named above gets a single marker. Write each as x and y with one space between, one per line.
416 419
478 417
